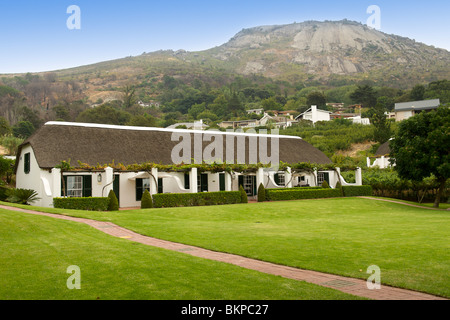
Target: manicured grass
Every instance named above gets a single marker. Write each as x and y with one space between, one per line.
341 236
36 251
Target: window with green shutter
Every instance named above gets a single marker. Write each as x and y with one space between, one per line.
141 186
27 163
77 186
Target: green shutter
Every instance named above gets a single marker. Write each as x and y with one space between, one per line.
186 181
222 181
87 186
276 178
116 186
64 187
160 185
139 190
241 181
26 167
255 187
204 180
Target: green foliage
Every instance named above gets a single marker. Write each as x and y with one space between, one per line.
113 201
325 185
261 193
23 129
364 95
146 201
330 137
11 143
421 147
243 195
301 193
167 200
88 204
6 168
22 196
382 132
105 114
357 191
316 98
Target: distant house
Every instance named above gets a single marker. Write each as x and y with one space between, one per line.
315 115
406 110
197 125
255 111
338 106
239 124
382 157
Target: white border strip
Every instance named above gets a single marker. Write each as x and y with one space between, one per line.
116 127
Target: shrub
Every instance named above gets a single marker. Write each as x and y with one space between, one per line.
113 201
89 204
356 191
261 193
339 187
168 200
147 201
22 196
300 193
325 184
244 198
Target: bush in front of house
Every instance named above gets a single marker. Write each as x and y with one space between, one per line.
21 196
167 200
261 193
89 204
357 191
325 184
244 198
146 201
301 193
113 201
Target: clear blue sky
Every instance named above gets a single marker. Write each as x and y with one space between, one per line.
35 37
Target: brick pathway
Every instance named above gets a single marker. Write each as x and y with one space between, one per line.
352 286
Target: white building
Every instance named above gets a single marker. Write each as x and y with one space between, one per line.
315 115
93 145
406 110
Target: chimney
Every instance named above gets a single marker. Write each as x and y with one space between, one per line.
314 114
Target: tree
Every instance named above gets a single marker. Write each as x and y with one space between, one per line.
417 93
316 98
23 129
146 201
382 125
105 114
113 201
261 193
244 198
421 148
129 96
5 128
364 95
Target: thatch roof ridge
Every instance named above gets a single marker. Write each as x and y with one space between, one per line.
102 144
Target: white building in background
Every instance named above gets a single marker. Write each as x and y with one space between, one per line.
406 110
315 115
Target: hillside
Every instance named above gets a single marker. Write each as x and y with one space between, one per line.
273 67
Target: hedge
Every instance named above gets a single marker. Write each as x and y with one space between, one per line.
301 193
167 200
357 191
90 204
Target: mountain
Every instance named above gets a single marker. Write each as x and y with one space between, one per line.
321 50
330 53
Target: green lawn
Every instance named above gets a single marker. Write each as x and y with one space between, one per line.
341 236
36 251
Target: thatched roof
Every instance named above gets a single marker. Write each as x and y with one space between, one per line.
383 150
102 144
